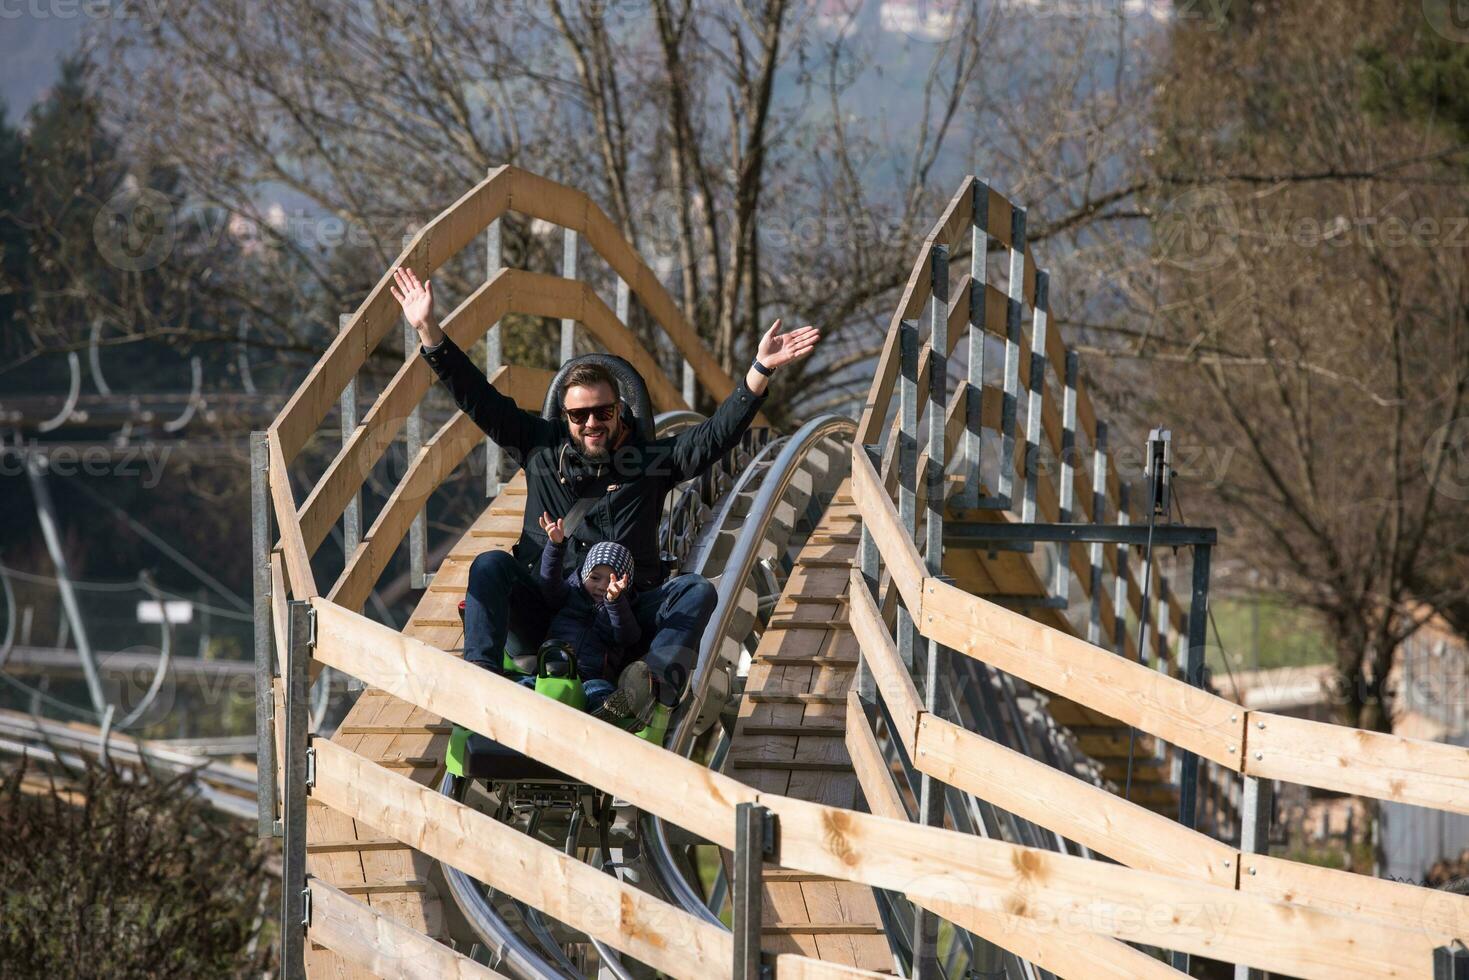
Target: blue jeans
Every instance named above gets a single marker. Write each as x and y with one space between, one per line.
596 690
503 609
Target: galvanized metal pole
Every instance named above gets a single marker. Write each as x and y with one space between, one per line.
1009 406
930 790
869 559
1067 490
418 530
297 775
1036 397
568 271
1256 807
623 301
352 513
754 842
1119 584
907 450
265 788
1099 506
46 516
494 356
971 449
1193 665
1451 962
688 384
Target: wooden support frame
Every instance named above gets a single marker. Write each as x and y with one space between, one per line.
1054 891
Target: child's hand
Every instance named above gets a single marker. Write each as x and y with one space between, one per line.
553 529
615 588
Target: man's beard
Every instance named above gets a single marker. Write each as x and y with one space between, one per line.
595 455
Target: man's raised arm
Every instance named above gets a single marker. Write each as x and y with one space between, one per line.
496 414
697 448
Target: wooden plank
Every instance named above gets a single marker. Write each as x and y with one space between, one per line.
898 552
434 244
630 920
1069 953
334 846
1180 713
1350 760
378 944
892 678
292 547
439 457
1087 814
1443 915
801 697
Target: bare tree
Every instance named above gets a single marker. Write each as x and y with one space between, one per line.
1301 302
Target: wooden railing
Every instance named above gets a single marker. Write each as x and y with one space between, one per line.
987 216
970 878
1254 744
507 189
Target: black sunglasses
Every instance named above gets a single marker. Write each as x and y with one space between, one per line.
581 415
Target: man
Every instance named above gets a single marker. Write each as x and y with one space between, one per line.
593 466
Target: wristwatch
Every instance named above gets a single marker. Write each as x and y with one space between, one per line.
761 368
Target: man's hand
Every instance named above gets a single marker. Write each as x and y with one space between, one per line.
553 529
616 587
778 349
417 300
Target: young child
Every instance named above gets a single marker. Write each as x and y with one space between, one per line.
594 616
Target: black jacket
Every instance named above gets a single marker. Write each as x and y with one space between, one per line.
629 487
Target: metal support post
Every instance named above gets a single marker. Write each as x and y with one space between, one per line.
1119 584
296 745
688 384
907 462
1035 401
1099 507
1451 962
265 788
494 356
971 449
623 302
1254 838
870 560
1014 312
930 790
1067 491
755 843
1193 674
36 467
568 271
352 513
418 530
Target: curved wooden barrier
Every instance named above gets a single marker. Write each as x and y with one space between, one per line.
1052 891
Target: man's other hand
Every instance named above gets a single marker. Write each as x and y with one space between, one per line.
778 349
417 301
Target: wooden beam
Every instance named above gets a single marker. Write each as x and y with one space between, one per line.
898 691
899 553
1067 665
364 936
1068 953
1351 760
606 908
